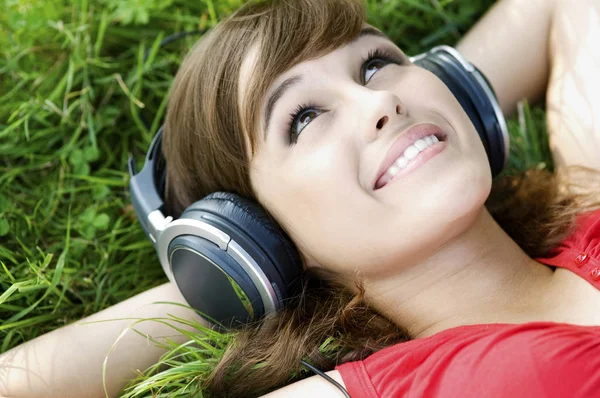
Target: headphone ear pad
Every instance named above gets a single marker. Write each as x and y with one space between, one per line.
246 222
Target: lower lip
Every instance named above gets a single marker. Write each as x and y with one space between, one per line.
422 158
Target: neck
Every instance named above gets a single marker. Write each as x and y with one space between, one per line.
480 276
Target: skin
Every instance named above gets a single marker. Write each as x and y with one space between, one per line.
454 265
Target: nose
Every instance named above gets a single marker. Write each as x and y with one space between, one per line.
385 108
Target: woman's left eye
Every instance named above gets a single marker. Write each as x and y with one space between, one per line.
376 60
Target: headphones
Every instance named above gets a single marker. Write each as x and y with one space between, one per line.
230 260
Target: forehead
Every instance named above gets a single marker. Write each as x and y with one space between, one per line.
251 58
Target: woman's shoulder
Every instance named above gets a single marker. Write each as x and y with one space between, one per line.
500 357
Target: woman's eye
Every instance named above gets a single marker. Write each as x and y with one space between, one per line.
306 117
373 67
300 118
376 60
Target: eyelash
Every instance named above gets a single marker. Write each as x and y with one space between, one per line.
373 54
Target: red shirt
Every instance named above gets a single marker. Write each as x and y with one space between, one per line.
535 359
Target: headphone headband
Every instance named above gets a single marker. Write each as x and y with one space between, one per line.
146 194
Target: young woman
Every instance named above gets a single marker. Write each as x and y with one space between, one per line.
472 273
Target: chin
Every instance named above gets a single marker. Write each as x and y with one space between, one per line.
452 206
469 197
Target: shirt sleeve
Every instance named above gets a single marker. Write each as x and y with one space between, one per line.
537 359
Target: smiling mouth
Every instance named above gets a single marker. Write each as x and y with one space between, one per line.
411 149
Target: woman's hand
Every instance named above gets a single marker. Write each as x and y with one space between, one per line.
573 98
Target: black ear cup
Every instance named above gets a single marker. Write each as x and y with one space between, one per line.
213 283
267 246
477 98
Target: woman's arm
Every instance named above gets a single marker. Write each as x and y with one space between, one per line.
68 362
314 386
510 45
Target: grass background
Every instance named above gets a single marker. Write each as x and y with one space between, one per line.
73 82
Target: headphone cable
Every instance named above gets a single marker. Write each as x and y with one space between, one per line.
329 379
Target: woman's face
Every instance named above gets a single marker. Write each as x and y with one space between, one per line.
319 176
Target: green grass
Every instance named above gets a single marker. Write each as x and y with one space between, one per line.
72 84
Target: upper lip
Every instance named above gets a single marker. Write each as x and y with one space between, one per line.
404 140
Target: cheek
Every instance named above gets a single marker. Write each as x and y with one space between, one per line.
316 197
314 185
428 94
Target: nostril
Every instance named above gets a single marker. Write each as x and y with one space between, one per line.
381 122
398 110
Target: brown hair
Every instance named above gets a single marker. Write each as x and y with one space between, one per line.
205 149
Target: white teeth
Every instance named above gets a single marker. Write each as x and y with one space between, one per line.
393 170
401 162
421 144
410 153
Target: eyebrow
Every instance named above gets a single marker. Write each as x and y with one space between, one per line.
290 82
